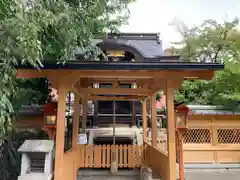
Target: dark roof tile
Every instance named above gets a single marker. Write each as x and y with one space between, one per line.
148 45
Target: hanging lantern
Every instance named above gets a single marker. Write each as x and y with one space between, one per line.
181 117
50 114
181 120
50 119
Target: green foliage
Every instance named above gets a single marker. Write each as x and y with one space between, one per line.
211 42
30 91
32 32
207 42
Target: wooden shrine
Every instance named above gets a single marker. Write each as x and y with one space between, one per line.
141 63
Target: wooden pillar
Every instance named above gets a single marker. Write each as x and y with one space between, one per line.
76 117
144 120
171 130
60 132
134 118
84 114
154 120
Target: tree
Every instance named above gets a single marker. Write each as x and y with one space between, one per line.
32 32
211 42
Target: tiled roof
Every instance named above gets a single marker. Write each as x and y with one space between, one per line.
211 110
31 110
148 45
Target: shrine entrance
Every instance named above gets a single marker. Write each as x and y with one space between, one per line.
148 75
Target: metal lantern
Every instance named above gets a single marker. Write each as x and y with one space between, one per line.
50 119
181 120
181 117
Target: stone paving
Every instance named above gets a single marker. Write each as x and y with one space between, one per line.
196 174
214 174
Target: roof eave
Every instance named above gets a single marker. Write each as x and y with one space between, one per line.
74 65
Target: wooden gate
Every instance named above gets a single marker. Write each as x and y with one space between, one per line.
99 156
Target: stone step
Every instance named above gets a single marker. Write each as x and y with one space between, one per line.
110 177
93 174
35 176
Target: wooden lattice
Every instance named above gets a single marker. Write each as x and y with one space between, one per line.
197 136
228 136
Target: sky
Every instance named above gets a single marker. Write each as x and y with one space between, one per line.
154 16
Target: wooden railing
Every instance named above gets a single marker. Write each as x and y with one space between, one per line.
99 156
161 139
127 156
157 160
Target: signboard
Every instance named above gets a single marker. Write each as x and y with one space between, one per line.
82 139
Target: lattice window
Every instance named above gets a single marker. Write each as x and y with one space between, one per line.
228 136
197 136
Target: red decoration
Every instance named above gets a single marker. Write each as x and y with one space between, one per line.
50 108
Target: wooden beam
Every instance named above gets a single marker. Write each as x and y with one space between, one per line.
110 80
115 91
117 98
120 74
159 84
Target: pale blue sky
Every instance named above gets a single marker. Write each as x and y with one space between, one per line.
155 15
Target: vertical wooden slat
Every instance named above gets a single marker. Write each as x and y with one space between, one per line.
130 155
125 153
133 155
91 163
136 150
138 155
104 160
117 155
97 156
141 158
81 150
86 156
89 156
108 155
120 161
